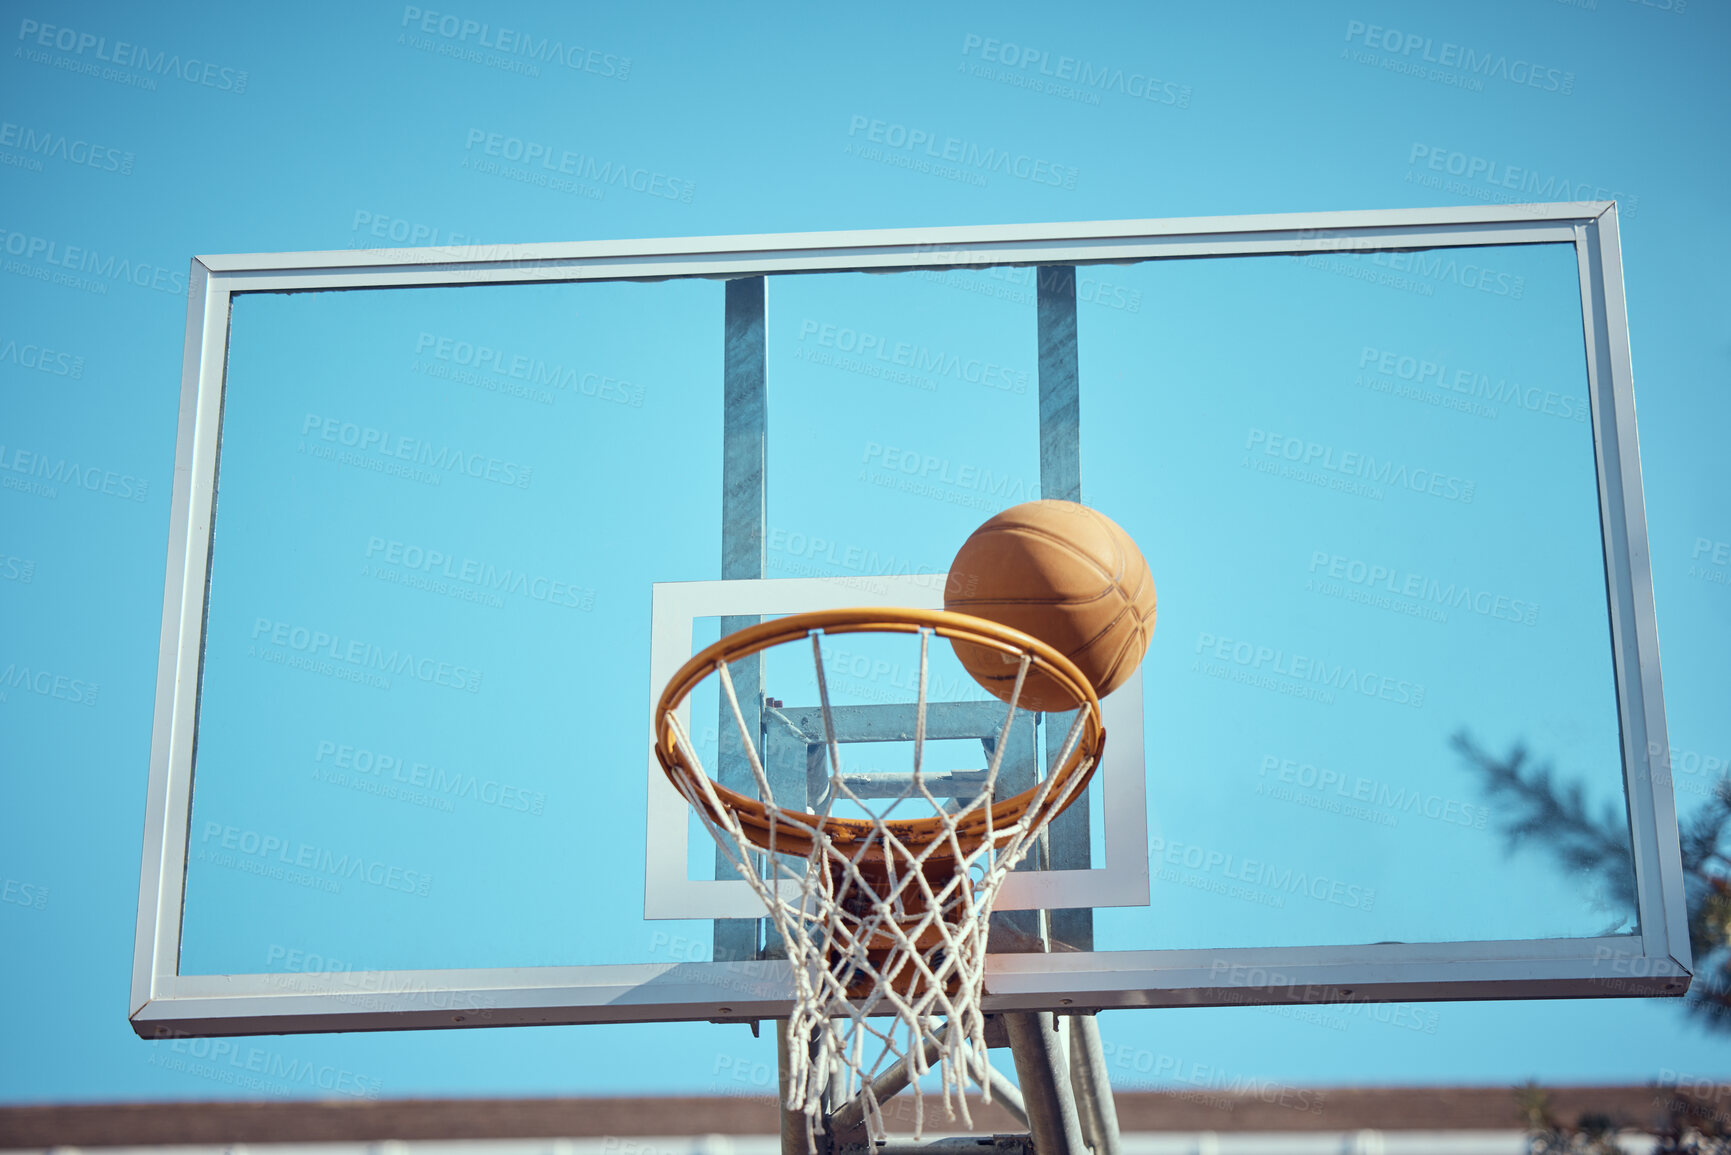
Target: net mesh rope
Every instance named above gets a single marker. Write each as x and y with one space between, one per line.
835 908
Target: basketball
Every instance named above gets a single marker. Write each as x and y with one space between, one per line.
1066 574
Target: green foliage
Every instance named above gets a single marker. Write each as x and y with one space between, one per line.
1549 1135
1682 1123
1538 810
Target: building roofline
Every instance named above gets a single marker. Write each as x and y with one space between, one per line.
1270 1107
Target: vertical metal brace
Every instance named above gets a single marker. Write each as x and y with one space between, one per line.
1019 931
744 453
1089 1079
1040 1069
1068 837
1060 399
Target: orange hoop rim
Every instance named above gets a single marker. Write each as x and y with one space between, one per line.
792 832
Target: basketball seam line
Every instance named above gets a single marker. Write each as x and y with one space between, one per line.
1114 578
1112 584
1128 608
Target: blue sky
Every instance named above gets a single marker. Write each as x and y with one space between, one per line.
391 124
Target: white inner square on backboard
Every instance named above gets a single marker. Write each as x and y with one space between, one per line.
671 892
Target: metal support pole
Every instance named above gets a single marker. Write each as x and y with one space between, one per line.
1067 836
1088 1077
744 453
1060 393
1040 1068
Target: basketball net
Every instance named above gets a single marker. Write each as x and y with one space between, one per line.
884 921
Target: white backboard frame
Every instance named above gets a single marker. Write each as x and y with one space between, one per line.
1654 962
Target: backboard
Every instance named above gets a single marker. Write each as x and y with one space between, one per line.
446 519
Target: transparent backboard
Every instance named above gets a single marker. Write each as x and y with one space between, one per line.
448 521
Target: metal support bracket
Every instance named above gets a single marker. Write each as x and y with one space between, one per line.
1067 1107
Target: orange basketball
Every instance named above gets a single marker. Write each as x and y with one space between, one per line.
1066 574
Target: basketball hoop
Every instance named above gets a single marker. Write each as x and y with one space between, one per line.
881 917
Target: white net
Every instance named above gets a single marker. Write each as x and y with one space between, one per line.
886 934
